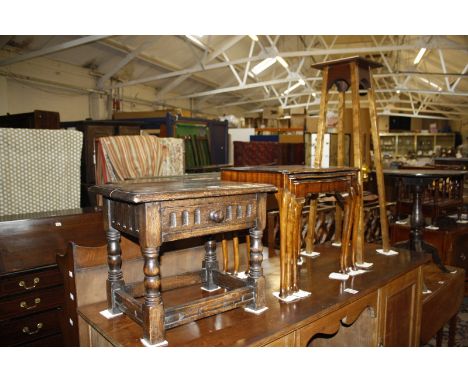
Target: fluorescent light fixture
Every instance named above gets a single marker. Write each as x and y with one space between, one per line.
253 37
398 91
282 61
419 56
195 40
295 86
314 94
434 85
265 64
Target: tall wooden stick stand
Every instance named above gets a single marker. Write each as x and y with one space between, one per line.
354 73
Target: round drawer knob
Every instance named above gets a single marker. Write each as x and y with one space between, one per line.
217 216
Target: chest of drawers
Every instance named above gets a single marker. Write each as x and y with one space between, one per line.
31 285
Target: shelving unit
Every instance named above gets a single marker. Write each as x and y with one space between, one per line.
421 144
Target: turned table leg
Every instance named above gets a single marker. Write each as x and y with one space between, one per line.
115 276
153 309
209 264
115 279
255 277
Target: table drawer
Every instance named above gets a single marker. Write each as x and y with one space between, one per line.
32 302
53 341
31 328
29 282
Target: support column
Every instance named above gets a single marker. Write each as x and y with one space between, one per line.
209 264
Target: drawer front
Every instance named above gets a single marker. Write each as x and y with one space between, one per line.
181 219
31 328
35 301
53 341
30 282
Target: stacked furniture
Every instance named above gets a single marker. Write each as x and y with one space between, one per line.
38 119
268 153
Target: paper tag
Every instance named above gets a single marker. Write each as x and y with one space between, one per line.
289 298
400 222
58 224
390 252
72 297
108 314
70 321
364 265
338 276
301 293
311 254
350 290
70 274
241 275
427 291
432 227
356 272
441 282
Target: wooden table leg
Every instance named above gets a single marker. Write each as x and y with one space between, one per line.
321 127
340 162
452 330
255 277
209 264
378 171
224 244
283 203
296 214
115 279
235 245
349 204
153 309
358 239
439 336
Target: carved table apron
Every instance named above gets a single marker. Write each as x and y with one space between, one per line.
159 211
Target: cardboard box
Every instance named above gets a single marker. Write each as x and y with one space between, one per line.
272 112
297 111
311 124
284 123
297 121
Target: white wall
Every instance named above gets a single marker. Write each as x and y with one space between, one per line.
35 86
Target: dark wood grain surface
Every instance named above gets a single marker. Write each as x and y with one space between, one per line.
180 188
239 328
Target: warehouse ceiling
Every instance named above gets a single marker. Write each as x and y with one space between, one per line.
220 72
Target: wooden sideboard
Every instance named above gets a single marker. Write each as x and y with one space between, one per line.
385 311
31 286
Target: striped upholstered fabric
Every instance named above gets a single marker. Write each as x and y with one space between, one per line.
138 156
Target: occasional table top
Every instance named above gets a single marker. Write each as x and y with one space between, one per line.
293 169
424 173
176 188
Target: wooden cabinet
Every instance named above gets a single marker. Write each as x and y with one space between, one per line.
383 308
38 119
421 145
31 286
400 305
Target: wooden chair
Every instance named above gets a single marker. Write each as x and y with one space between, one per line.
84 271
